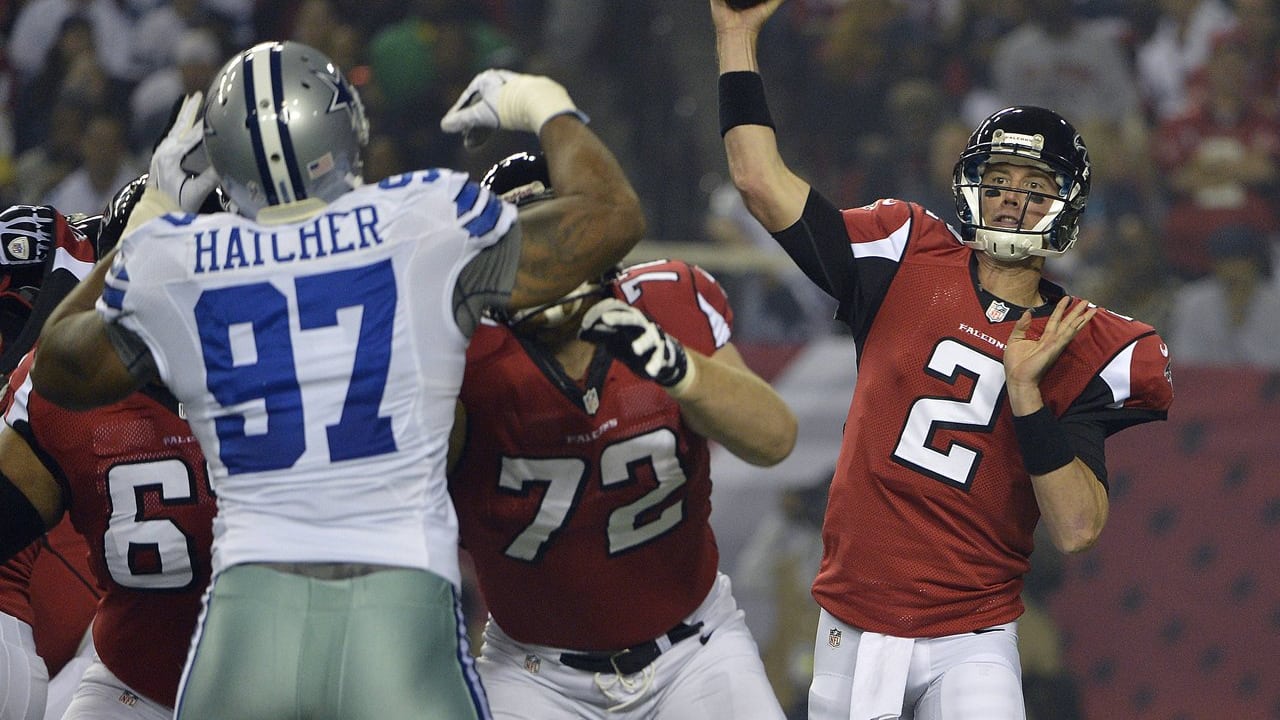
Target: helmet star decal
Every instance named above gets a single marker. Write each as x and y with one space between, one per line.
343 98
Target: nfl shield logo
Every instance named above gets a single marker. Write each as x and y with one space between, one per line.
833 639
591 401
532 663
19 249
997 311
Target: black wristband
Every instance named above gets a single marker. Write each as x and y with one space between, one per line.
742 101
1044 443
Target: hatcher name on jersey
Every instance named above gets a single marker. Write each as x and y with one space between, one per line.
242 246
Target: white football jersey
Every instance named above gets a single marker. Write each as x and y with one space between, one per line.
318 363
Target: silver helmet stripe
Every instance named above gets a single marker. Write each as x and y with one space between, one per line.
268 131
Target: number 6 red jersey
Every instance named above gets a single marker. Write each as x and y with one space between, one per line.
135 486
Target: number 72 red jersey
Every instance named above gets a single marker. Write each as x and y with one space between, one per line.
576 499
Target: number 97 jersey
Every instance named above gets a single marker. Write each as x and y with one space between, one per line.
578 498
319 361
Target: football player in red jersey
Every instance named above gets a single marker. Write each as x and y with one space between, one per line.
985 395
583 494
46 602
132 479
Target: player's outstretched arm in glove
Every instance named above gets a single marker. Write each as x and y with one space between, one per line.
719 396
54 253
506 100
595 217
639 344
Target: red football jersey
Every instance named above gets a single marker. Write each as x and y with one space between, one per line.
929 524
578 499
48 585
15 592
64 595
138 492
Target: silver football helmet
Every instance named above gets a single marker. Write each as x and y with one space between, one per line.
281 125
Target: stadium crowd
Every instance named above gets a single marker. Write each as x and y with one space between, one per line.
1179 99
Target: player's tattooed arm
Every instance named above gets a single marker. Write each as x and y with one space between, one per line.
591 224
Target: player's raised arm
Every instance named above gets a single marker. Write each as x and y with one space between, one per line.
719 396
595 218
773 193
77 364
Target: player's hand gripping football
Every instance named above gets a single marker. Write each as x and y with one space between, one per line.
184 139
749 15
506 100
27 233
637 341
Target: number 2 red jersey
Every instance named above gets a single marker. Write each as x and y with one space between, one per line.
579 500
930 518
136 488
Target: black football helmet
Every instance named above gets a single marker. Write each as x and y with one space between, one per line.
1023 135
109 226
523 179
116 214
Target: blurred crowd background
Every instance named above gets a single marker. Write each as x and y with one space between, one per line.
1178 101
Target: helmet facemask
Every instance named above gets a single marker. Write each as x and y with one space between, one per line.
552 315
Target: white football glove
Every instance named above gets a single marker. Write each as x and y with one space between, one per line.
637 342
184 139
506 100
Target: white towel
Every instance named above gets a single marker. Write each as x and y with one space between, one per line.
880 676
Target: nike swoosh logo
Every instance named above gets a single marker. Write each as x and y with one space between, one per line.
705 638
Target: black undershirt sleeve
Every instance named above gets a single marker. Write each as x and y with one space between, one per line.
55 286
1088 440
819 244
1091 420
